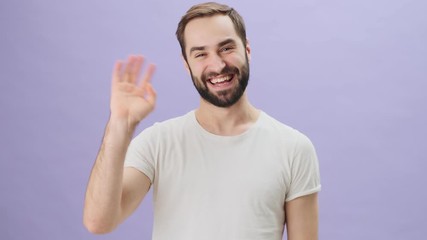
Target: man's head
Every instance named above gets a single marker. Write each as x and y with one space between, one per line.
214 46
210 9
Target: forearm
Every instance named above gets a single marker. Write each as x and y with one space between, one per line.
102 211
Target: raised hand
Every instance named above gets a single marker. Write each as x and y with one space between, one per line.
132 99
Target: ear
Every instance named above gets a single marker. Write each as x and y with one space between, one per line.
248 49
186 65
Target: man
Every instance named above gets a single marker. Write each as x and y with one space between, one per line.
223 171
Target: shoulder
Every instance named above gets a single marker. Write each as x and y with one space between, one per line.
170 126
288 137
176 122
281 129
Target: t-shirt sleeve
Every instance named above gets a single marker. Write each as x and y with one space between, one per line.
305 176
141 153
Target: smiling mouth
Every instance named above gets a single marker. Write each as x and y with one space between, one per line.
221 79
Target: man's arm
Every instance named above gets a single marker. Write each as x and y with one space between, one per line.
113 192
302 218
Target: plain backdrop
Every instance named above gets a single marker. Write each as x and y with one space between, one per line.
349 74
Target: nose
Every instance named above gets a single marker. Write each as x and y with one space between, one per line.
215 63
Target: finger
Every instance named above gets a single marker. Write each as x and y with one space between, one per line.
147 75
151 94
117 71
136 68
127 73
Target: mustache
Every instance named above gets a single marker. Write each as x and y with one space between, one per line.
225 71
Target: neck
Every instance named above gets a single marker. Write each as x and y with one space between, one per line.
230 121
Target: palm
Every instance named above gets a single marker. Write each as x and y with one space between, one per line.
131 100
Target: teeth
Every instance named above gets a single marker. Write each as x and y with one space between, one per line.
220 80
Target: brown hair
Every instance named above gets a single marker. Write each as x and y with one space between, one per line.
207 10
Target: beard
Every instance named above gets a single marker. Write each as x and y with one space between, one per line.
225 98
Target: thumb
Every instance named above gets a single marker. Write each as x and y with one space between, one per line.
150 94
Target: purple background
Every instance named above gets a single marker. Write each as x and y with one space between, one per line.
352 75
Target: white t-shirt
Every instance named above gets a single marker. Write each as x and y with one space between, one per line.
223 187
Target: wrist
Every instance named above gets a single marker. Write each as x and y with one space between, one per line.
122 124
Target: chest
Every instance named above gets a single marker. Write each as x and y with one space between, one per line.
243 172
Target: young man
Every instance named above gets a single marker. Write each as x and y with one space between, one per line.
223 171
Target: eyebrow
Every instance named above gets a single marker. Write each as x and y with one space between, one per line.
226 41
201 48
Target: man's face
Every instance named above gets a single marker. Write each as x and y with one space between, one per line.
217 60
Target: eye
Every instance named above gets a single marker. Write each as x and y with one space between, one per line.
198 55
226 49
